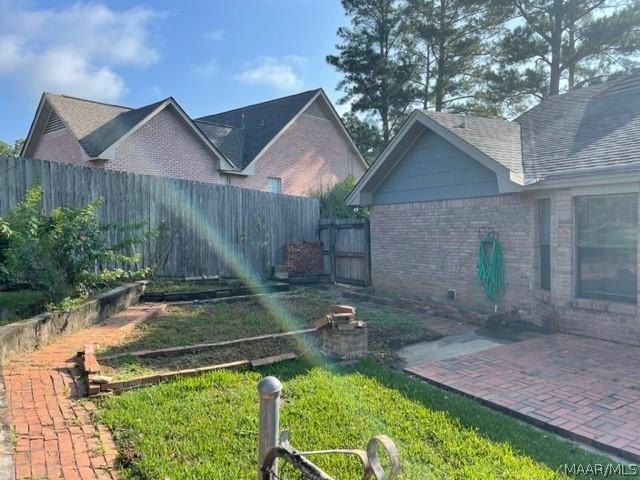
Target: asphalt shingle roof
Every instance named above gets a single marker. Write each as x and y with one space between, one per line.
97 125
258 124
590 127
499 139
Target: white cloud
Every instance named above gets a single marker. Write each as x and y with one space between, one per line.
74 49
282 73
213 35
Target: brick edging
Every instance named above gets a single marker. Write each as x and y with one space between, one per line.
567 434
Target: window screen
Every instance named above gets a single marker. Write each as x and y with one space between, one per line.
544 240
274 185
606 245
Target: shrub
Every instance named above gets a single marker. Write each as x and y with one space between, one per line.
333 200
65 254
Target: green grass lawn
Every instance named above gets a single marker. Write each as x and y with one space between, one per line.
389 329
20 304
175 286
205 427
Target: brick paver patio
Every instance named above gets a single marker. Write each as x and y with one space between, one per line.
55 438
582 388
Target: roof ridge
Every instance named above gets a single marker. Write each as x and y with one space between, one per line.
89 100
260 103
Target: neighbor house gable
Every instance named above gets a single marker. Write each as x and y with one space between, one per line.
99 128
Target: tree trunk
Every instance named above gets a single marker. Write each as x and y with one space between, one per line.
441 59
556 47
571 56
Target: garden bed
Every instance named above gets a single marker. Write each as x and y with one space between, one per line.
197 323
20 304
206 426
176 291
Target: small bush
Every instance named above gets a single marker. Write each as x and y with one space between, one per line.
333 200
64 254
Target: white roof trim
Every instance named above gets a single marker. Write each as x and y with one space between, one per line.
249 169
110 152
505 182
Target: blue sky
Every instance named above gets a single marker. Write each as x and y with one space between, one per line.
209 55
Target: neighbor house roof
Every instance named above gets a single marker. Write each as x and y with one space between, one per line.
583 132
243 133
99 126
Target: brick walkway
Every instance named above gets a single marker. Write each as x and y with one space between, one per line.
582 388
55 438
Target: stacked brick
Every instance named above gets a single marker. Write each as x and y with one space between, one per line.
303 258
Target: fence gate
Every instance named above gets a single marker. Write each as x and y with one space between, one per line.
346 250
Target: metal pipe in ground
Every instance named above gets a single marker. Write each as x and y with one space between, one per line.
269 390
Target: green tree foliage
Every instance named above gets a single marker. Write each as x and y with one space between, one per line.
11 151
366 136
553 45
376 63
452 46
65 253
333 200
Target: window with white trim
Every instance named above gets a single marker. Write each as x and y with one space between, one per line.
606 247
274 185
544 241
224 179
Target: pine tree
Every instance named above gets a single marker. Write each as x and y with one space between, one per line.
376 62
453 39
555 45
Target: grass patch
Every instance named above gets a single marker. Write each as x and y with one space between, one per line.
389 329
179 286
205 427
20 304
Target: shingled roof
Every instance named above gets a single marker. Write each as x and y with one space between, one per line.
242 133
590 127
498 139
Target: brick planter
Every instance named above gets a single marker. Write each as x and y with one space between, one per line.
28 335
344 344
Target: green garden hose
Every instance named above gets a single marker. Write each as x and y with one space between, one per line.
490 266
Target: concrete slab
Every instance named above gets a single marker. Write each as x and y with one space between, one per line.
463 343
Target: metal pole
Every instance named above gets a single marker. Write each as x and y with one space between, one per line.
269 389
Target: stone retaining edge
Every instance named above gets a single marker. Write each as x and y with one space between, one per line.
28 335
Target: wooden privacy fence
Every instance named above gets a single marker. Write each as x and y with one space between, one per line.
208 229
346 249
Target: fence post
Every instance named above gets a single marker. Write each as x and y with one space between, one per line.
269 389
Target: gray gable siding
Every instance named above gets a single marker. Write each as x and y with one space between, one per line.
433 169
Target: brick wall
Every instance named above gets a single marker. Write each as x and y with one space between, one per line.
559 309
424 249
312 152
59 146
166 146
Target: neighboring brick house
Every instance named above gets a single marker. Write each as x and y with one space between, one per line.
289 145
559 185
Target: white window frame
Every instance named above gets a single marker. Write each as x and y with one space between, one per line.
274 184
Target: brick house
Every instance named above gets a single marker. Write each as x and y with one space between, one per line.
559 185
289 145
